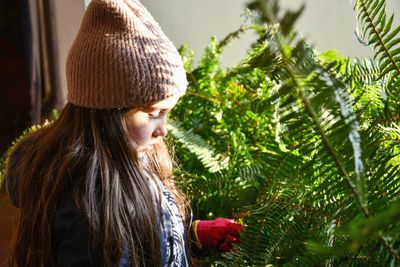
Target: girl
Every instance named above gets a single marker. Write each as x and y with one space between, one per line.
94 188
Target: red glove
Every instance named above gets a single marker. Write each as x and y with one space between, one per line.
219 234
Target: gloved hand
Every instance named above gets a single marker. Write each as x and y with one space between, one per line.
219 234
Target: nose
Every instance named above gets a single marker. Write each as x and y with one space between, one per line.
161 129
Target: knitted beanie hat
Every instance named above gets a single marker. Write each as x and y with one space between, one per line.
121 58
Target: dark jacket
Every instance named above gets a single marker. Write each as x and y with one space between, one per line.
70 230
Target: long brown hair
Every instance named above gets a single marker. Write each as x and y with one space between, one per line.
86 153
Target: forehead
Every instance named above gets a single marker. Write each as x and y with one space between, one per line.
167 103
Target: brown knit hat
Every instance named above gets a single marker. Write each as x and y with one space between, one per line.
121 58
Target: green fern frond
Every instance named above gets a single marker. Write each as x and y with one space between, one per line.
212 161
377 31
363 70
271 231
313 146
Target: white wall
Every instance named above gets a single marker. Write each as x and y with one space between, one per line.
331 24
195 21
326 24
66 21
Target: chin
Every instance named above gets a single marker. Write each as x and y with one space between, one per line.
142 149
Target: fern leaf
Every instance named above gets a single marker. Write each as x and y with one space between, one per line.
211 160
380 35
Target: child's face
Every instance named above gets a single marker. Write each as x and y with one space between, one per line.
147 125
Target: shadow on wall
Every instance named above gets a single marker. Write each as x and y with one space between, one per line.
15 106
14 71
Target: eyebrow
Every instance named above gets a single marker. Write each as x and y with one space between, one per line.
149 109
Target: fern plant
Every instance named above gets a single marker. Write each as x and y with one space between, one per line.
301 146
376 31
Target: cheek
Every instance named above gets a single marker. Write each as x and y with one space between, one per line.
142 135
139 128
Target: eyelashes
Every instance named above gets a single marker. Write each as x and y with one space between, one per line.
154 115
157 115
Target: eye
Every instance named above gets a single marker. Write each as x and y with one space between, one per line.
155 114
